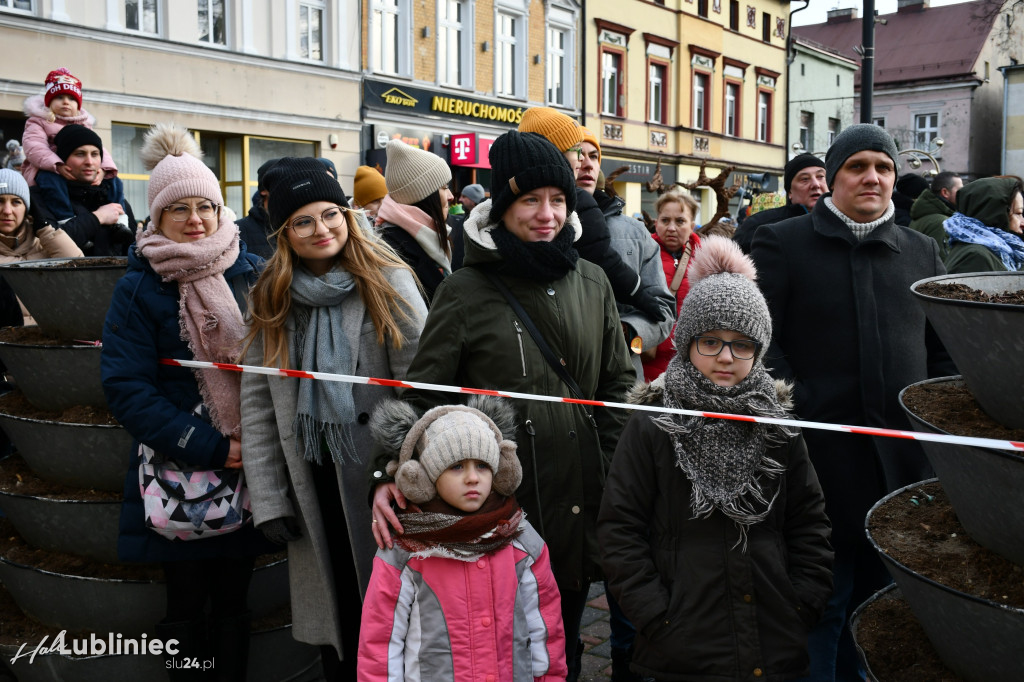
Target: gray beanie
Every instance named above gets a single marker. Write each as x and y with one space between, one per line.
445 436
723 295
474 193
858 138
12 182
412 174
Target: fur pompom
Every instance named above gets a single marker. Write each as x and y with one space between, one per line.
510 472
500 412
167 139
718 255
390 424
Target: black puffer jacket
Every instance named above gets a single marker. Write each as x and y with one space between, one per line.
255 229
703 608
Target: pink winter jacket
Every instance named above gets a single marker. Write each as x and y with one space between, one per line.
436 619
37 140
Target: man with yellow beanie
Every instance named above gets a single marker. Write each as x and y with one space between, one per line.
595 243
369 190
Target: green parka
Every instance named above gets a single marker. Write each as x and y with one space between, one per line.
473 338
926 216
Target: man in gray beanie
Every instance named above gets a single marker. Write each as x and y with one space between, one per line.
804 181
848 332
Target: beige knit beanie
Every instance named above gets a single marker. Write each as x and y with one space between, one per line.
560 130
413 174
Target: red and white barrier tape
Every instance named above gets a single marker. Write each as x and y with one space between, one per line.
394 383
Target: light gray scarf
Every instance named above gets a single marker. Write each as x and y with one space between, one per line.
725 460
325 409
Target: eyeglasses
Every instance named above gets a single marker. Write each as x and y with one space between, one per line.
741 349
305 225
578 150
181 212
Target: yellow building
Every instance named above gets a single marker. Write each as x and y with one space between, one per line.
684 81
255 79
450 76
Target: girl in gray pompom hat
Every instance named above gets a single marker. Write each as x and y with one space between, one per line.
713 531
467 592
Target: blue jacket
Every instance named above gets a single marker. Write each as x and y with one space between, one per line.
155 402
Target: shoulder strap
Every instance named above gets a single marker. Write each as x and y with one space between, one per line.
681 268
549 355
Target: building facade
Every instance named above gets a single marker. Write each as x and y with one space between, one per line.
1013 120
821 97
685 81
254 79
450 76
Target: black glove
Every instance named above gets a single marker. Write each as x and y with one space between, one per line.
281 531
650 305
121 232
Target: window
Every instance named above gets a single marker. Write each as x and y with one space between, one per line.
556 66
732 109
453 45
19 5
700 100
211 22
385 45
311 21
766 27
833 130
734 15
803 71
611 83
764 116
926 129
508 55
807 130
702 8
141 15
879 121
656 99
127 141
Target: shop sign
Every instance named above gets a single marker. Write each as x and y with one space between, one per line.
639 171
383 96
469 149
420 139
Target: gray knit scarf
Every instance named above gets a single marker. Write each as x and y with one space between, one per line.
725 460
325 409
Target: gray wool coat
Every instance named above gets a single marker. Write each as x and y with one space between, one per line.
281 481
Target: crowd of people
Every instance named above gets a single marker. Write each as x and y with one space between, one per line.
430 540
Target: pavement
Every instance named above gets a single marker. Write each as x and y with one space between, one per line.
595 631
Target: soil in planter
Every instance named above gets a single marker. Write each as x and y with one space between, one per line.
16 404
896 646
76 263
17 478
927 538
962 292
951 407
32 336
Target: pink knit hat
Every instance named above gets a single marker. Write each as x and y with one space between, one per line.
176 171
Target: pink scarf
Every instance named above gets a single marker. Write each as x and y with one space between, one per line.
211 323
416 222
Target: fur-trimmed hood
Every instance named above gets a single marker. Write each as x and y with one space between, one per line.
653 393
35 106
478 226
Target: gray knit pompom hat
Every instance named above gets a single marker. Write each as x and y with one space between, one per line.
413 174
723 295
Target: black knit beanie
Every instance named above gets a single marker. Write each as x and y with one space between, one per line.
261 174
522 162
797 164
858 138
73 136
295 182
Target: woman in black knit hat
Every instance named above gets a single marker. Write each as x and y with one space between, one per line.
522 239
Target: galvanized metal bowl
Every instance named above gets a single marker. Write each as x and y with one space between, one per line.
68 297
55 377
86 528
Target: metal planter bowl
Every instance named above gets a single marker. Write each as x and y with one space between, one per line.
85 528
980 483
976 638
130 607
56 377
984 340
67 298
93 456
887 592
274 656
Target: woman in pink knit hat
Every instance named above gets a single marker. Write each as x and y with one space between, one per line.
182 297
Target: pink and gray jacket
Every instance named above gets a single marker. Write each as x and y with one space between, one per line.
37 140
496 618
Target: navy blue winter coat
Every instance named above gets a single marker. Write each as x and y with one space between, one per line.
154 402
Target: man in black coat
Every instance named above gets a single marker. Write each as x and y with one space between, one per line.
804 181
848 332
103 223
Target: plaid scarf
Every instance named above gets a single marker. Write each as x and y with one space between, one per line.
440 530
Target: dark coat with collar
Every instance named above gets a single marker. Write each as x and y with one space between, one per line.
155 403
849 333
255 230
745 232
93 238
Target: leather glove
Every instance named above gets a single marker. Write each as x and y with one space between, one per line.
281 531
650 305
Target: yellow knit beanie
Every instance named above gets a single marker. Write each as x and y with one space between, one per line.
560 130
589 137
369 185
